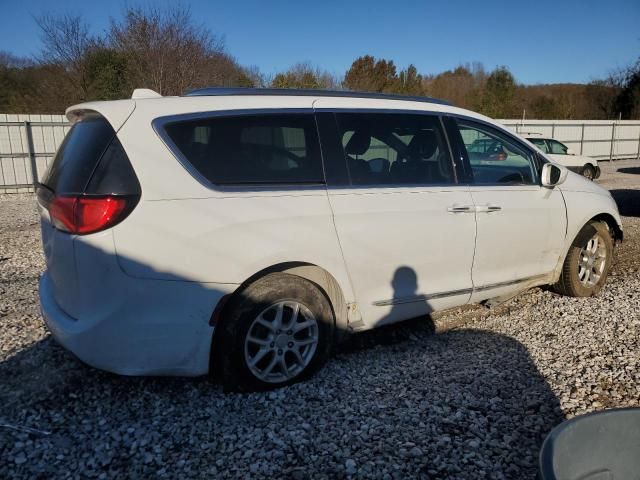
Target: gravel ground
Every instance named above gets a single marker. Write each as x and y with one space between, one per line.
473 400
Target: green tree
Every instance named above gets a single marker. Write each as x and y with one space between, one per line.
303 75
106 74
368 75
410 82
497 99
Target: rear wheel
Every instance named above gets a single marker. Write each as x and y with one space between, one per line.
589 172
588 262
278 331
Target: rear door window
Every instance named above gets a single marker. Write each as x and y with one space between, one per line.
394 149
251 149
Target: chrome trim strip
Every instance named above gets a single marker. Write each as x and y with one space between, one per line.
421 298
453 293
508 283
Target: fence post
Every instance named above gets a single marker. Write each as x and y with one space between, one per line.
613 136
582 139
638 155
553 130
31 153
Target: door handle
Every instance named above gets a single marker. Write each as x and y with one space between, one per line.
461 209
488 208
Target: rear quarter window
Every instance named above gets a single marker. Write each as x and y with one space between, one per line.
78 155
250 149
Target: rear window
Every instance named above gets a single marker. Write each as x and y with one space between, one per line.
251 149
78 155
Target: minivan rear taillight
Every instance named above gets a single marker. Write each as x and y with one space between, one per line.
81 214
91 184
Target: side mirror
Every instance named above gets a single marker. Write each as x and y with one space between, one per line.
570 151
553 175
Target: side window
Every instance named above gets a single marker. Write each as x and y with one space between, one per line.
557 147
251 149
496 158
540 143
394 149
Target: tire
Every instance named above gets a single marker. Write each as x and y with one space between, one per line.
587 265
589 172
244 339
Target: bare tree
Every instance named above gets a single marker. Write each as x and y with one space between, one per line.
169 53
256 77
9 60
65 43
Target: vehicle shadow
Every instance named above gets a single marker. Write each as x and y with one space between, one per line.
631 170
465 403
628 201
403 401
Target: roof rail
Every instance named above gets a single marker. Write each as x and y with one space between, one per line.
295 92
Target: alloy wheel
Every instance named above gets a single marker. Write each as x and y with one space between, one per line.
281 341
592 261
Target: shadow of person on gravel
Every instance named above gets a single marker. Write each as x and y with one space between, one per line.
405 295
465 403
628 201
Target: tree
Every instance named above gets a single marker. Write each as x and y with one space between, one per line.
628 101
303 75
368 75
498 93
167 52
601 96
106 74
65 43
409 82
461 86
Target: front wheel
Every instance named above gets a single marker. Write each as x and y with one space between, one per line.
588 262
279 331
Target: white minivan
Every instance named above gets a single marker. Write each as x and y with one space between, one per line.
246 231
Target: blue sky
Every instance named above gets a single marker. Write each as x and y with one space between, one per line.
539 41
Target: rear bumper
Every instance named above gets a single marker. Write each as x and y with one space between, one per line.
159 328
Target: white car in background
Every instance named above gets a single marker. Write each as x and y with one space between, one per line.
560 153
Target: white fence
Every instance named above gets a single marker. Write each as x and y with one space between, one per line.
27 146
601 139
28 142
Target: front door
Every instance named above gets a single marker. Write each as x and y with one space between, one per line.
520 224
406 227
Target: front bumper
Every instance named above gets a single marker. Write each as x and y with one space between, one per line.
161 328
